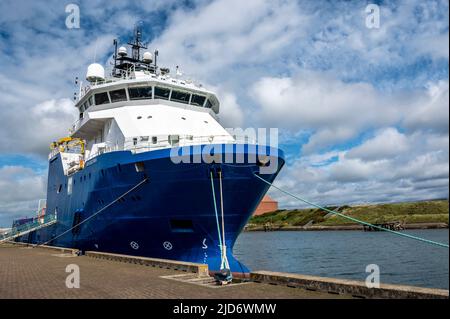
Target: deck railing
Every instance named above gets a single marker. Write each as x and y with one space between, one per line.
34 224
141 144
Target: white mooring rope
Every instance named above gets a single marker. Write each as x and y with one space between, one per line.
223 260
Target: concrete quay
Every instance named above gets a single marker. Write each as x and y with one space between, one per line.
27 272
348 287
40 272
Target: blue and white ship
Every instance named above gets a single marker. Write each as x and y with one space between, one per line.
147 170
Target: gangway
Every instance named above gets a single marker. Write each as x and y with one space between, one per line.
28 228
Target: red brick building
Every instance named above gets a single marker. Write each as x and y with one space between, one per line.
267 205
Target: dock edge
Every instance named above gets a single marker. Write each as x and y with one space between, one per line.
200 269
349 287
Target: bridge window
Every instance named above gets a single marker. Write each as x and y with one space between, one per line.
140 93
180 97
162 93
118 95
208 104
197 100
101 98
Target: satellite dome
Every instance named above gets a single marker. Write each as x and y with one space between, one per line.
95 72
147 57
122 51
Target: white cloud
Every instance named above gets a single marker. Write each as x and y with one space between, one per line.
369 172
387 143
226 32
431 112
336 111
20 190
31 131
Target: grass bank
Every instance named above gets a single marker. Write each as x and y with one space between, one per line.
435 211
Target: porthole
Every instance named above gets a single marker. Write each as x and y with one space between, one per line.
139 117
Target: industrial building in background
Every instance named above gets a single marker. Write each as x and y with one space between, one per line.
267 205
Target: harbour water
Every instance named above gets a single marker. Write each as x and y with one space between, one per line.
345 254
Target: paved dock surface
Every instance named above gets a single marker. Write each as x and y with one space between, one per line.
27 272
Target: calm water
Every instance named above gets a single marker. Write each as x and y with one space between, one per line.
345 254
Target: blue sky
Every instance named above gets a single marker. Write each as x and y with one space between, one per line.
362 113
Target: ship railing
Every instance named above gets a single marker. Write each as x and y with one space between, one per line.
130 74
141 144
76 125
120 75
146 143
56 150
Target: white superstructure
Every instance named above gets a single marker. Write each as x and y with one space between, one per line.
140 107
146 111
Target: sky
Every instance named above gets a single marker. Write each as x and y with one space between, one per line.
362 113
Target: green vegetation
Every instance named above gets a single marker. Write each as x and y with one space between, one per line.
436 211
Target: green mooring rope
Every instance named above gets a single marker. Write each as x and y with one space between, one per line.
354 219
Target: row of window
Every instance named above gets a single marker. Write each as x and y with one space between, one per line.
147 92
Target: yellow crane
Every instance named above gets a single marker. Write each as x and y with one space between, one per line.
67 143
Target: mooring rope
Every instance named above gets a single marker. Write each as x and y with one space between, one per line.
98 212
224 246
215 210
223 259
355 219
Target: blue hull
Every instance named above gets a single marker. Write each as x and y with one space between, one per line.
169 216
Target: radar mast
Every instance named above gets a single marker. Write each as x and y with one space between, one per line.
124 64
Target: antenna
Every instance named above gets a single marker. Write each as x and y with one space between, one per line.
124 63
156 56
115 53
136 44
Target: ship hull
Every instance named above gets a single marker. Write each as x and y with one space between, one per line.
168 209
